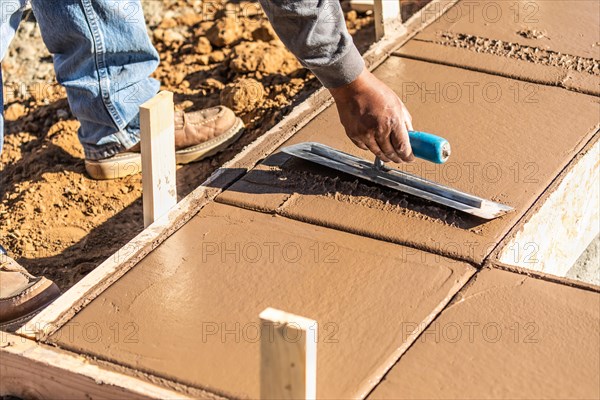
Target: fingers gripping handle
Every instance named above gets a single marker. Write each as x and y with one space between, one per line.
427 146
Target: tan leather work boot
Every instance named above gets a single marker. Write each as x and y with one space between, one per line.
22 295
198 135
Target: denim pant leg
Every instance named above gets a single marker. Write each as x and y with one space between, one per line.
103 57
10 16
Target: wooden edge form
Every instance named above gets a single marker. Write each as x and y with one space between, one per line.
31 370
568 209
288 356
61 310
157 131
542 276
387 15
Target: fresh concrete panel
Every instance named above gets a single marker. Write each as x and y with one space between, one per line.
189 310
567 27
523 40
505 336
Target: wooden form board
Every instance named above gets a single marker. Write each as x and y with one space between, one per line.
33 370
387 17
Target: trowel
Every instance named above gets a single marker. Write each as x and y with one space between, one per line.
426 146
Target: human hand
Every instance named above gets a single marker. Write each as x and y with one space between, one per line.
375 118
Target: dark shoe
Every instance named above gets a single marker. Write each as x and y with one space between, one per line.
22 295
198 135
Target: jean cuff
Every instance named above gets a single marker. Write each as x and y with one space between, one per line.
125 139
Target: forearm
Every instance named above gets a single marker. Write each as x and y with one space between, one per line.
315 32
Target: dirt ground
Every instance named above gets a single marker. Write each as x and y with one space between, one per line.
58 222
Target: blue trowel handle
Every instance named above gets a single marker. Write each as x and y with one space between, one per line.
429 147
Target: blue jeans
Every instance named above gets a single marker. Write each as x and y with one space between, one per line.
102 56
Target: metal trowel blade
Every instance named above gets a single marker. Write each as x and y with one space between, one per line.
397 180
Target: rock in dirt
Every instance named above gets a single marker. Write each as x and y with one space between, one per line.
531 34
203 46
191 18
224 32
172 36
168 23
168 36
264 32
217 56
243 94
351 16
268 58
212 83
243 9
14 112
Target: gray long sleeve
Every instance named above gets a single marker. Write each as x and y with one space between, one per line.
315 32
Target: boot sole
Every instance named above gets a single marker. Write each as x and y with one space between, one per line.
126 164
117 166
16 323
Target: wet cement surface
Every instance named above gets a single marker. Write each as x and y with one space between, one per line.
550 42
505 336
566 27
509 140
189 311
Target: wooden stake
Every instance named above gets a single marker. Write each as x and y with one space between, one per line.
288 356
158 156
387 15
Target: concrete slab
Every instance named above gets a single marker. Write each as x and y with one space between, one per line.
524 40
508 146
515 68
188 312
505 336
536 23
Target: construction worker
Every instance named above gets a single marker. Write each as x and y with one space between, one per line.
104 58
